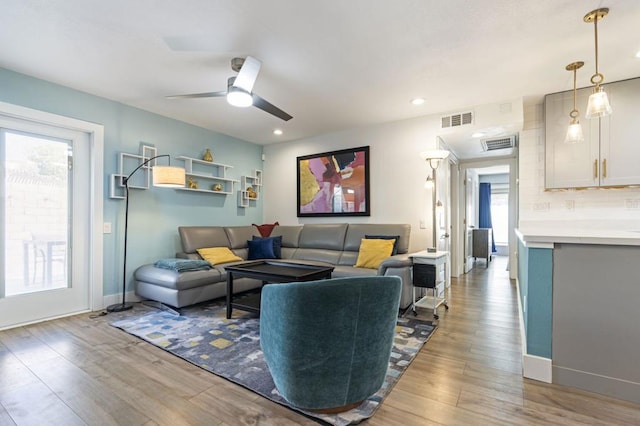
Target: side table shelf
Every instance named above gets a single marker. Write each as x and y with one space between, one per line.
249 188
208 175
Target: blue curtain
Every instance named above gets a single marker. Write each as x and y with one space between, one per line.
485 211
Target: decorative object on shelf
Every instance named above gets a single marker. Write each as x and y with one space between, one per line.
598 105
163 176
193 184
334 183
212 176
207 156
574 132
251 193
434 158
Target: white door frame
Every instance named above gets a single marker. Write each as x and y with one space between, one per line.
96 141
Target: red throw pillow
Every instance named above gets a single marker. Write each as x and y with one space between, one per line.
266 229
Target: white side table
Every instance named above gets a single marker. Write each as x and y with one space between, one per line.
422 278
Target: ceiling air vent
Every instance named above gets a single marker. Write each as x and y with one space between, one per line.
499 143
455 120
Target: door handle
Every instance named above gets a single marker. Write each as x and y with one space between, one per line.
604 168
595 169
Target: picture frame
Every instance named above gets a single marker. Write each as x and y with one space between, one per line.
334 183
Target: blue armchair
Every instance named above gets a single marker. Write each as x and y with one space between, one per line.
327 343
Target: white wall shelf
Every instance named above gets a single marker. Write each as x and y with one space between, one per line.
252 181
129 162
207 174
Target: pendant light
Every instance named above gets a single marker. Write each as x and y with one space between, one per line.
574 132
598 105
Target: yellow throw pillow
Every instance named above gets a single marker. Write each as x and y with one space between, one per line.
218 255
373 252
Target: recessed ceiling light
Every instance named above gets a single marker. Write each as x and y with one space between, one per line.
277 132
477 134
417 101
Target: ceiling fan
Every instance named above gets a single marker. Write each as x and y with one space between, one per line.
238 91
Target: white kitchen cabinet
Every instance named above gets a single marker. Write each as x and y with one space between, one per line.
610 153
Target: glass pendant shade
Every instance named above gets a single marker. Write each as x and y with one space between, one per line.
574 133
598 105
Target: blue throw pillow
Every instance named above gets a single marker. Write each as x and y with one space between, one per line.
276 242
260 249
386 237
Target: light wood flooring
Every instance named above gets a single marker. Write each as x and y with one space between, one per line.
79 370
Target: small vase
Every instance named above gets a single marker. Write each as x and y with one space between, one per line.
207 155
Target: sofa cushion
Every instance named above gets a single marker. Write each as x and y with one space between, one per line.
276 242
358 231
238 236
176 280
395 239
373 252
290 235
195 237
218 255
266 228
261 248
323 236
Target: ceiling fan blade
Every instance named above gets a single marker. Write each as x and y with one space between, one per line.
198 95
248 73
258 102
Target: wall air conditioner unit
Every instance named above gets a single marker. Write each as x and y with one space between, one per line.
496 144
456 120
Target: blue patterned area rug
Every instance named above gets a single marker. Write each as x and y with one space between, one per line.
230 348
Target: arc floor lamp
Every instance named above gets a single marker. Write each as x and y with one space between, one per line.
163 176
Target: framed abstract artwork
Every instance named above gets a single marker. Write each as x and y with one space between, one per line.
334 183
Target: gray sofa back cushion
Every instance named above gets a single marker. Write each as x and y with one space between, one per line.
357 231
239 235
323 236
290 235
317 255
195 237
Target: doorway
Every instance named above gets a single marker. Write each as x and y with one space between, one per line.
48 216
501 173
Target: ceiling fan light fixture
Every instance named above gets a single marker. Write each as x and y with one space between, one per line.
238 97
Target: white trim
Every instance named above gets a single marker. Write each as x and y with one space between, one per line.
533 367
537 368
96 137
114 299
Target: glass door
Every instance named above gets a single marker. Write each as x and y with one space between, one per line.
43 222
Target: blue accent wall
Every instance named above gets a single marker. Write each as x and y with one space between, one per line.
535 278
154 214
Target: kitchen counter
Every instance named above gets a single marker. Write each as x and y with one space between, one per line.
535 234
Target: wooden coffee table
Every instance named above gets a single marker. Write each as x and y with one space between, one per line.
269 272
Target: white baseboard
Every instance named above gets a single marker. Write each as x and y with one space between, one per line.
536 368
533 367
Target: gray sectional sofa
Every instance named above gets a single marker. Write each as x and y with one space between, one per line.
335 244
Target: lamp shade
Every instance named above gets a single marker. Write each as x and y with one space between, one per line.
574 133
168 176
598 105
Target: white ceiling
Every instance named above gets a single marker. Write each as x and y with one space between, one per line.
332 64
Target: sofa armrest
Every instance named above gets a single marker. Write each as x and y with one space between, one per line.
397 261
